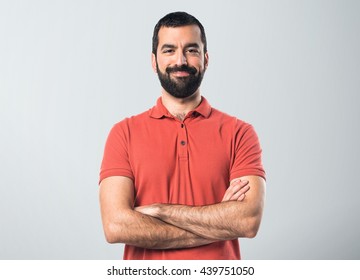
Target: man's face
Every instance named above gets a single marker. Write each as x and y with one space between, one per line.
180 61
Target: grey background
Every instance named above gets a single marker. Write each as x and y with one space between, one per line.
69 70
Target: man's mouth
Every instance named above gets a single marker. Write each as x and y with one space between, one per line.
180 73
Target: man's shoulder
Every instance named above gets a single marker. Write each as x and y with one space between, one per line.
224 118
134 119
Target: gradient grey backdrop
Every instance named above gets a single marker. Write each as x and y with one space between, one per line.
69 70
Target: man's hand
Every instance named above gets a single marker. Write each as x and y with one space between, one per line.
236 190
150 210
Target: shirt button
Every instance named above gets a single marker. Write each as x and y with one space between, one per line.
183 143
182 125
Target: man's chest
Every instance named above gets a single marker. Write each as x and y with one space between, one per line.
179 162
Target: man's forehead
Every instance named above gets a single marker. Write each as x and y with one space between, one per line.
184 33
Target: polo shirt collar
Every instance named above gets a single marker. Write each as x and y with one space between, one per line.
159 110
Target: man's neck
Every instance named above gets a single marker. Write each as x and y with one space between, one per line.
180 107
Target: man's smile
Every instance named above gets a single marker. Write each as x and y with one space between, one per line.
180 74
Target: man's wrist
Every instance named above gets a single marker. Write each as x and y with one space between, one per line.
156 210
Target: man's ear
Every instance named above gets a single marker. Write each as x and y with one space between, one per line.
206 62
153 62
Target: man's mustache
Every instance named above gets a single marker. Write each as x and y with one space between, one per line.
183 68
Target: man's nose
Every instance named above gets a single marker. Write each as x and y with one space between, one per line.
181 59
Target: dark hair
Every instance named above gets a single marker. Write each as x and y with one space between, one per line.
177 19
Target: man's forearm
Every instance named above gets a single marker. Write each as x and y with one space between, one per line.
236 216
144 231
173 226
222 221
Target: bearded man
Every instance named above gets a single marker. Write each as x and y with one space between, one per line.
181 180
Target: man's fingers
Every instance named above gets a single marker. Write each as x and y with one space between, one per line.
236 189
230 192
240 195
239 182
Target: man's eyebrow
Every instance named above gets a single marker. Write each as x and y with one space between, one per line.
167 46
189 45
192 45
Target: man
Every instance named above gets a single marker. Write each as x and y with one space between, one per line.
182 180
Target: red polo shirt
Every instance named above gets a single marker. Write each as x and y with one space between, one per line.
182 162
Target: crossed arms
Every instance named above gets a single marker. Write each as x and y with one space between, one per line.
168 226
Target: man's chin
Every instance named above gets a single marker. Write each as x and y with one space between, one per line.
180 80
182 95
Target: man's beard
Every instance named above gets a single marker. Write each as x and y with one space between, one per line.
180 87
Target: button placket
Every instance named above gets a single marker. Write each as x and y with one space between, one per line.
183 149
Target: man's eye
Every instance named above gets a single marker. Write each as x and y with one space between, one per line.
168 51
193 50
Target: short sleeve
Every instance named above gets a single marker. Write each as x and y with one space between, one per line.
115 160
247 158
